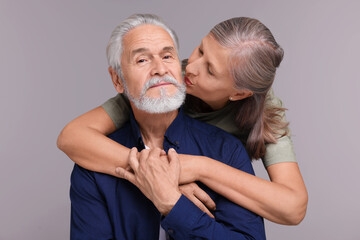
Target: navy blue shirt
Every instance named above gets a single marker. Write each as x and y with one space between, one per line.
106 207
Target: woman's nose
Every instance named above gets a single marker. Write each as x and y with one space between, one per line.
191 69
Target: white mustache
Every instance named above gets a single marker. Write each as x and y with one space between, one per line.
163 103
156 80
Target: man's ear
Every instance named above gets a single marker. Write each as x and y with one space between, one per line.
241 94
117 81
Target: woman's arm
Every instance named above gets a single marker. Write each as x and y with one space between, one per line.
84 141
282 200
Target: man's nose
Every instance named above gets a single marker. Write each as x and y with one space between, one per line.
159 67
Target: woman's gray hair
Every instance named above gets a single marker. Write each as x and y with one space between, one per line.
255 54
114 48
254 58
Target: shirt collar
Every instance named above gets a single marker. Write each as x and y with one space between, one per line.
176 130
173 134
136 132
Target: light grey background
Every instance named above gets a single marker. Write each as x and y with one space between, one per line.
53 68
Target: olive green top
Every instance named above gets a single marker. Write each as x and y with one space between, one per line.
118 108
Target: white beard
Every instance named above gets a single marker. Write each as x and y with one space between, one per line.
162 104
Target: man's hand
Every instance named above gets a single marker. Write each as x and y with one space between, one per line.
156 175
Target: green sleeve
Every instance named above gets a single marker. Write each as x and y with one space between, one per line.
279 152
118 108
283 150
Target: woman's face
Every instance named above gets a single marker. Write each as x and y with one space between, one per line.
207 73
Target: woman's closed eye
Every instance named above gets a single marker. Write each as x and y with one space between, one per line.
201 51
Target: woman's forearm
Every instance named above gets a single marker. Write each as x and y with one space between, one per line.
84 141
282 200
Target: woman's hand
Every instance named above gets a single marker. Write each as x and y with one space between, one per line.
199 197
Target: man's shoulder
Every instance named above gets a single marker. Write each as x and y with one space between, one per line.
209 131
218 144
120 133
214 137
81 177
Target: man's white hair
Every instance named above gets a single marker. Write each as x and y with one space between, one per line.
114 48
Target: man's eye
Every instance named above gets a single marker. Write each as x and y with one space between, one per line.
141 61
167 57
200 51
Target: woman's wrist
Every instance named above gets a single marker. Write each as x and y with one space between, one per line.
191 168
202 167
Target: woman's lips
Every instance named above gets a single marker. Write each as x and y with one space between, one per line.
187 81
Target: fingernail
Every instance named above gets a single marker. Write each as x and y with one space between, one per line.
171 149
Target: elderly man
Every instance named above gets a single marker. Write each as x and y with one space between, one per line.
144 65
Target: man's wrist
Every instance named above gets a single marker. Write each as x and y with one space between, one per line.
165 208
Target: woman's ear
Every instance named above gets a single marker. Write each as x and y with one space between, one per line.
241 94
117 81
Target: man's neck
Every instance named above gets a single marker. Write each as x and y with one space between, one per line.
153 126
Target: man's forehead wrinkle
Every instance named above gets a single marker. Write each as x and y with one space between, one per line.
139 50
169 49
147 50
143 38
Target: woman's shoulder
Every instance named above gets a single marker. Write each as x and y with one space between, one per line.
118 108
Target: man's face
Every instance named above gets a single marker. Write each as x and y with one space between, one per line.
150 67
